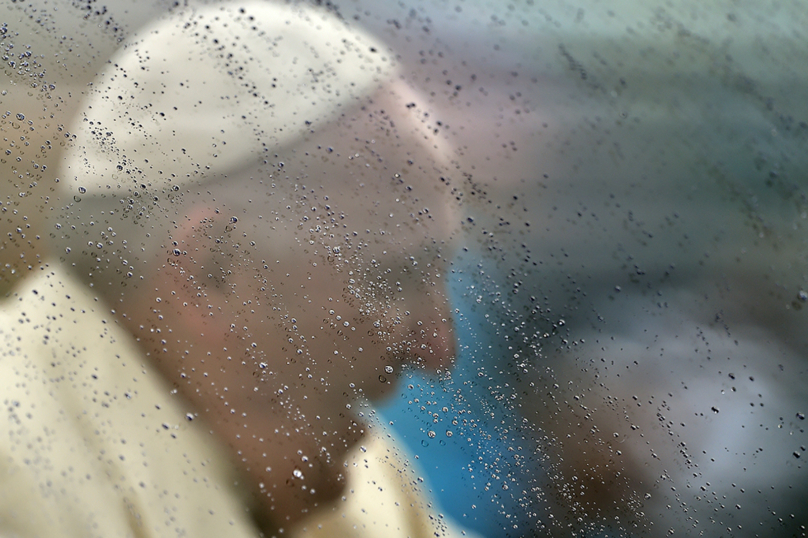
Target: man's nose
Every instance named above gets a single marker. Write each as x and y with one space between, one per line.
433 330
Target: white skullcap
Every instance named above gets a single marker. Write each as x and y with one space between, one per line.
206 90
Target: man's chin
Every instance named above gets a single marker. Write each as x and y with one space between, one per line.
306 489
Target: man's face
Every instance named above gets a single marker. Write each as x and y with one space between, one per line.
318 289
341 281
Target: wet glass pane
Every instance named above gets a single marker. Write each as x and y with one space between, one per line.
403 268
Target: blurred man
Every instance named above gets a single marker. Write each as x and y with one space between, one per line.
249 243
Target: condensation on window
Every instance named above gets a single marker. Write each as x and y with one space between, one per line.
403 268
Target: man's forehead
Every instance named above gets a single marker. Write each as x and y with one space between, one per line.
380 217
351 176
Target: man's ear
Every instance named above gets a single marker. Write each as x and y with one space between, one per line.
199 269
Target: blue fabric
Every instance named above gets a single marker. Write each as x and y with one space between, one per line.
462 432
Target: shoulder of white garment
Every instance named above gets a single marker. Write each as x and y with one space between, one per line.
96 443
206 90
384 496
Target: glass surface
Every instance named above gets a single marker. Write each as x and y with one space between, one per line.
553 255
